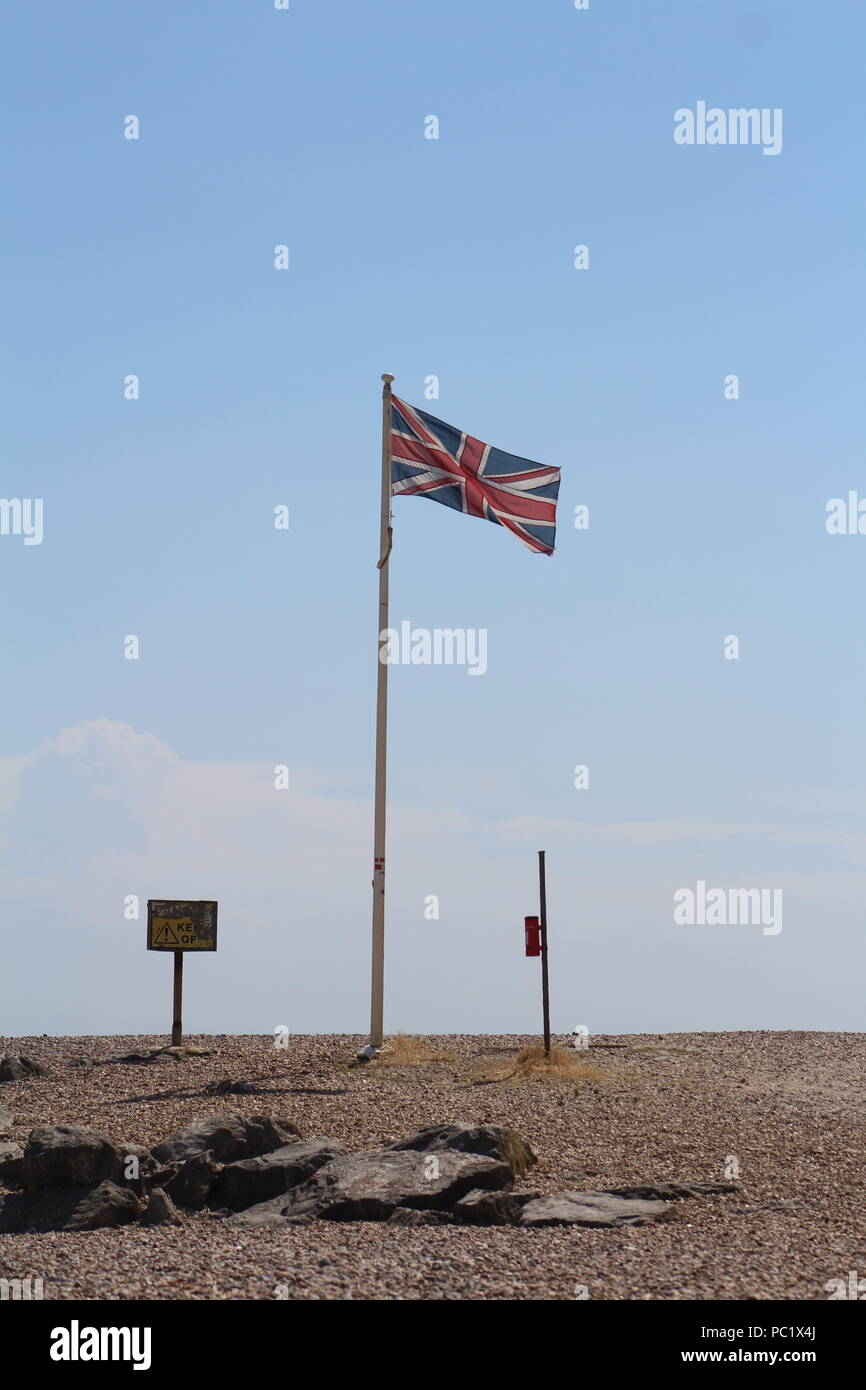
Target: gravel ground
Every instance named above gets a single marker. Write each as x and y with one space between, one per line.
787 1107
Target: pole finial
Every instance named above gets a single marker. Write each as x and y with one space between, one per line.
387 377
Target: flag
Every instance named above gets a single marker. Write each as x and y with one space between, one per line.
432 459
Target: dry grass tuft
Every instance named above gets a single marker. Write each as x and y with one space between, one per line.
562 1061
403 1051
531 1064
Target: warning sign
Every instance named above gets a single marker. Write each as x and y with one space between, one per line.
181 926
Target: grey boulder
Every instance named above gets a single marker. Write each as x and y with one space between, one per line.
157 1055
70 1156
226 1087
672 1191
68 1209
479 1208
161 1210
254 1180
276 1212
591 1209
191 1184
105 1205
371 1186
228 1138
11 1162
145 1166
411 1216
20 1069
494 1141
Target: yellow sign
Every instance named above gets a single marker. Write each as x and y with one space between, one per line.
181 926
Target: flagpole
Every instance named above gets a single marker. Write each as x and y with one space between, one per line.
377 983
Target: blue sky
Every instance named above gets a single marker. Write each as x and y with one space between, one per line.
260 387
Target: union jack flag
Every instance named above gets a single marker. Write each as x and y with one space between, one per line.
436 460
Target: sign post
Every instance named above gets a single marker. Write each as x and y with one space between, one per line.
177 1011
178 926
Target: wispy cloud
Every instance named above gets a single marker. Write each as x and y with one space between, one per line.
104 812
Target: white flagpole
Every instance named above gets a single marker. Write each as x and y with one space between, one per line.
377 984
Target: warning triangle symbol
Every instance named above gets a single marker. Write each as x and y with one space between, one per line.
167 934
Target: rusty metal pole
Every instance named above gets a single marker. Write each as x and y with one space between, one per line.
545 992
377 979
176 1023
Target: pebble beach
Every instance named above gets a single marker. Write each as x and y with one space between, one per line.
779 1114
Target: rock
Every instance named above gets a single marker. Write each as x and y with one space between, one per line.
254 1180
591 1209
479 1208
411 1216
370 1186
103 1206
149 1055
192 1183
140 1059
20 1068
228 1137
8 1211
230 1088
147 1166
11 1162
69 1156
5 1120
161 1211
161 1176
67 1209
274 1212
494 1141
22 1212
671 1191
